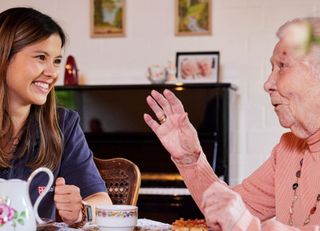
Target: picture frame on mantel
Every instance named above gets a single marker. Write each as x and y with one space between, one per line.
197 67
193 17
108 18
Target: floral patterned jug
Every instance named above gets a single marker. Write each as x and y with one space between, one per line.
16 212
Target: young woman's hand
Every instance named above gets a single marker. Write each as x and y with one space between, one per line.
68 201
173 127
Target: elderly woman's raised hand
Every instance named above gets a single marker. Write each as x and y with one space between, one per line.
222 207
174 129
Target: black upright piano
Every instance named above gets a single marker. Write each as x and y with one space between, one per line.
112 119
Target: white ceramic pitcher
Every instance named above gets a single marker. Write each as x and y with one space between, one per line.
16 212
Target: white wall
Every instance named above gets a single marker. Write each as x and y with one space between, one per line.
243 31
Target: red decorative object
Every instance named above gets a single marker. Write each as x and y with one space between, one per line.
71 72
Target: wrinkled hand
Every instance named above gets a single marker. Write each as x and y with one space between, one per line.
68 201
176 133
222 206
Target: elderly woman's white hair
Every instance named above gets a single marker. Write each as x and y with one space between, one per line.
302 33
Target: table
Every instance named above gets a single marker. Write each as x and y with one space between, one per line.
142 225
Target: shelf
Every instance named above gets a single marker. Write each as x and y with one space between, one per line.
146 86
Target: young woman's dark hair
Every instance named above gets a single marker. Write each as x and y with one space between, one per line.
20 27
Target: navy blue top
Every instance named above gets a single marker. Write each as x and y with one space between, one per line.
77 165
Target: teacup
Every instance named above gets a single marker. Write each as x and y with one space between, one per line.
116 217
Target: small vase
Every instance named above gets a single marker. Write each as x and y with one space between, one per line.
157 74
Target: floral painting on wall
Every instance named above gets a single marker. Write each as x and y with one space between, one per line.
108 18
193 17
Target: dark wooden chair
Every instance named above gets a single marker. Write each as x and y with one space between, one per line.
122 179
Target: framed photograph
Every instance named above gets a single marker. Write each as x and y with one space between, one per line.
198 66
193 17
108 18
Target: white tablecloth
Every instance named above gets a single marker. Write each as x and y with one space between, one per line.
142 225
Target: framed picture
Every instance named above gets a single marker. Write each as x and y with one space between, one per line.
108 18
198 66
193 17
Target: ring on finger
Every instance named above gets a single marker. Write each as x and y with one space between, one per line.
163 119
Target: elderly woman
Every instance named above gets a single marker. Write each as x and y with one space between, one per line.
189 69
205 66
287 186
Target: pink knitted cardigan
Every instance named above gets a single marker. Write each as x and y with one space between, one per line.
268 191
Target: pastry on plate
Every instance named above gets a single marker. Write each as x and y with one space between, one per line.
189 225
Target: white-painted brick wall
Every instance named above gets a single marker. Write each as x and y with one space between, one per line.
243 31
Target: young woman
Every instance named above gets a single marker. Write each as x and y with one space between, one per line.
33 131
